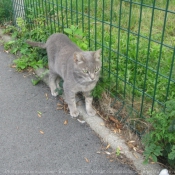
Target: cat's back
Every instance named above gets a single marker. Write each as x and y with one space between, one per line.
60 40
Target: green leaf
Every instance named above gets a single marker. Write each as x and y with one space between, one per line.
35 82
171 155
68 31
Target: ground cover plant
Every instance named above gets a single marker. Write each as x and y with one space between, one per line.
138 63
5 10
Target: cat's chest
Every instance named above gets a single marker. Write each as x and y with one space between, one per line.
85 88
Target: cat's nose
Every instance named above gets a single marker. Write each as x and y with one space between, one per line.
92 76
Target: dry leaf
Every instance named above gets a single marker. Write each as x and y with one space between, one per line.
134 148
86 160
65 122
41 132
132 141
13 66
135 156
81 121
46 96
108 153
108 146
39 115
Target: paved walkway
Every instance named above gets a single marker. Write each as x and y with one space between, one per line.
42 144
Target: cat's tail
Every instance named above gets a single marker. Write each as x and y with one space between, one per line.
36 44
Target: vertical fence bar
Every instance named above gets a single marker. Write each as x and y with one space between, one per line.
43 13
110 36
62 16
95 23
66 15
170 75
82 8
46 13
160 55
118 45
77 12
102 31
58 18
71 12
147 61
89 33
137 51
127 47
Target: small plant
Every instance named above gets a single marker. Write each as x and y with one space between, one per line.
5 10
160 141
28 57
117 151
77 36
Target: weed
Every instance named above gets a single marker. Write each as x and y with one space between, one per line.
160 141
117 151
77 36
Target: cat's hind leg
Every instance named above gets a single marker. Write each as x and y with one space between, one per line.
53 83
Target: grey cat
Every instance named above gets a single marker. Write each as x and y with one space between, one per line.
80 70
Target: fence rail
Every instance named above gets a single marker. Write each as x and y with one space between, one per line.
137 38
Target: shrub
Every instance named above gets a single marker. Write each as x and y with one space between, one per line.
160 141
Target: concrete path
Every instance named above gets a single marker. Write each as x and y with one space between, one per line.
42 144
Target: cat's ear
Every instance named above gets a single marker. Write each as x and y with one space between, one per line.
97 54
78 58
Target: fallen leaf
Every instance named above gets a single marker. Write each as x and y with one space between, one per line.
86 160
132 141
135 156
39 115
46 96
59 108
81 121
108 153
41 132
134 148
13 66
108 146
65 122
39 112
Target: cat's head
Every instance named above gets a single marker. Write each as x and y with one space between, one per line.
87 65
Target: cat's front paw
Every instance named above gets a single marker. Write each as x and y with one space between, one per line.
74 113
90 111
54 93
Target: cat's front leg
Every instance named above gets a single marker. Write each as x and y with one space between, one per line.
70 99
53 83
88 102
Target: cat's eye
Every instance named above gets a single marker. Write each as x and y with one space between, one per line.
85 71
97 69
